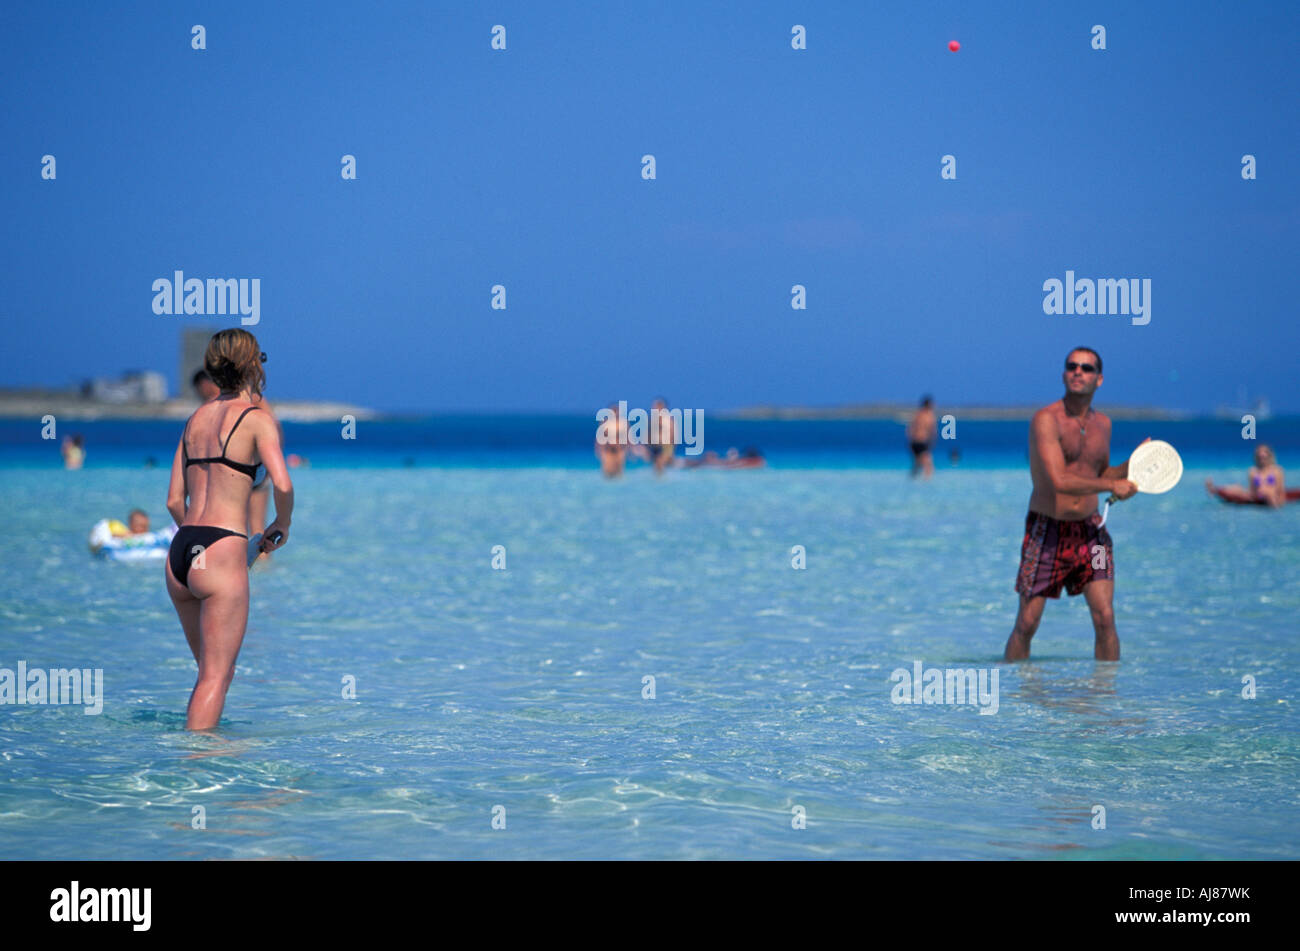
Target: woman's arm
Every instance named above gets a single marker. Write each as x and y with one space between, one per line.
176 497
1254 481
266 439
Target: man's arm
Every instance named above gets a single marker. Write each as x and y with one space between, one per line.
1118 472
1047 448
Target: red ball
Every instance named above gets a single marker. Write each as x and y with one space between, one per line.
954 45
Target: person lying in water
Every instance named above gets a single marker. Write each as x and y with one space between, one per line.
1264 483
747 458
137 523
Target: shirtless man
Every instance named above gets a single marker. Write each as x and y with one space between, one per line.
663 436
74 451
204 388
611 442
1069 460
920 437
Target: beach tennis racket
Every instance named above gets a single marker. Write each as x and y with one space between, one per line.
1154 467
255 545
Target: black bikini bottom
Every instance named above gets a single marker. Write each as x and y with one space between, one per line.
189 543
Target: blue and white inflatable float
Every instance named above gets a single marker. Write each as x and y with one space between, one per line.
108 539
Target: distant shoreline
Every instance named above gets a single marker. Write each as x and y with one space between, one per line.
903 413
33 404
62 406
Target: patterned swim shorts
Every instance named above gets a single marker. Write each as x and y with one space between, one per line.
1057 553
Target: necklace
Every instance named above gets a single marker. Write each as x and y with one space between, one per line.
1083 423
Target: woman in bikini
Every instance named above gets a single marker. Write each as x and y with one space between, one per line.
1266 482
212 476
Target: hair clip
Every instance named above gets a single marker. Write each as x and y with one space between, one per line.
263 356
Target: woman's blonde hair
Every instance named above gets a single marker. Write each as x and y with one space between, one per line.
234 360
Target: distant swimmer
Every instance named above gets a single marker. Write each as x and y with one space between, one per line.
747 458
206 570
137 523
1069 461
920 438
204 388
611 443
663 436
260 499
74 451
1265 483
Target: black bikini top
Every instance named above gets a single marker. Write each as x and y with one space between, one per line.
247 468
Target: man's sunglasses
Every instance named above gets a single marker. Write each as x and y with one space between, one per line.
1085 367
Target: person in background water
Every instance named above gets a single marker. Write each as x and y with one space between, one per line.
611 444
747 458
260 500
74 451
920 437
1266 482
204 388
212 477
137 523
663 436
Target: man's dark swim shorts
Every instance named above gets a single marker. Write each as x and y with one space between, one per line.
1057 553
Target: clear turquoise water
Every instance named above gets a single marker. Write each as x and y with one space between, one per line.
522 687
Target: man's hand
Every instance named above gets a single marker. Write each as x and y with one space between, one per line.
1123 489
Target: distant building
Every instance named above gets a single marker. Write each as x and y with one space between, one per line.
135 386
1259 407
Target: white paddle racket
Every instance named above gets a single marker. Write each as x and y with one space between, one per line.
1154 467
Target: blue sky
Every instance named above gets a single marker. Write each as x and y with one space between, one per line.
775 167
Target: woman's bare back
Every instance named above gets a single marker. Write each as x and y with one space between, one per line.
218 494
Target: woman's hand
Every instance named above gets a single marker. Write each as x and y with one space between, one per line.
277 526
